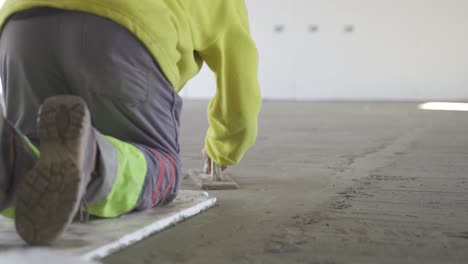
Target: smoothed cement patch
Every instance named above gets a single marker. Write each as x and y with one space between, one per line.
99 238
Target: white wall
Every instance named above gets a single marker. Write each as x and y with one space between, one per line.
400 50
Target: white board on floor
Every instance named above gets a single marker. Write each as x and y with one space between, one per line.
99 238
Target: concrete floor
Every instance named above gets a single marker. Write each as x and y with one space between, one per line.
330 183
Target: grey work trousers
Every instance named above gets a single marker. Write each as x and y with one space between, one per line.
47 52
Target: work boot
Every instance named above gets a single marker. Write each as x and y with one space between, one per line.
51 194
16 159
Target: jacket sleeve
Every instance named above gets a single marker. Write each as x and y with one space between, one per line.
233 112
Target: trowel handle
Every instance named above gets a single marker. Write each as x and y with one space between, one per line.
216 172
206 167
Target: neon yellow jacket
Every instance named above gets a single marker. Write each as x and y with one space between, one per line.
181 35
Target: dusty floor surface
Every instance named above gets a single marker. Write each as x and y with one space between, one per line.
330 183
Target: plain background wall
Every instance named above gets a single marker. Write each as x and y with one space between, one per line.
399 50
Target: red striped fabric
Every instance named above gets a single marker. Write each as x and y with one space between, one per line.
171 181
162 173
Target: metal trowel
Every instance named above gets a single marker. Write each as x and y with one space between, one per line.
214 180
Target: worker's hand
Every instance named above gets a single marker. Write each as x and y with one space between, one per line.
207 163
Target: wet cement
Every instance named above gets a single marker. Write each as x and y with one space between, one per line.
330 183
